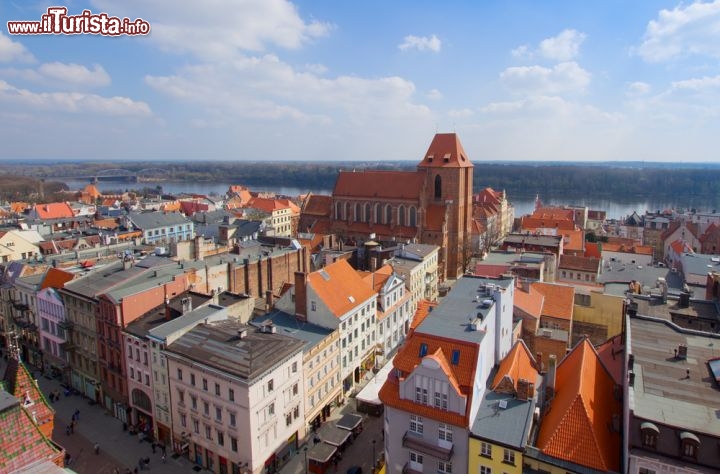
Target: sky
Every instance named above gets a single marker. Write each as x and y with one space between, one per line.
256 80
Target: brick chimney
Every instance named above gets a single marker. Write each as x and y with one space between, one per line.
550 378
301 295
268 300
522 390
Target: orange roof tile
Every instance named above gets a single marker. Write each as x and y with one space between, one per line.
488 195
267 205
611 355
576 427
532 223
18 207
108 223
54 210
339 287
530 302
573 240
559 213
424 308
56 278
593 249
317 205
631 248
491 271
445 151
583 264
379 185
518 364
172 206
558 299
23 386
92 191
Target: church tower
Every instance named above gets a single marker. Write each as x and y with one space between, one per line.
448 190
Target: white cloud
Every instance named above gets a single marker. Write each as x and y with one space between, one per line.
637 88
220 28
685 30
72 102
561 78
76 74
421 43
434 94
460 113
13 51
267 88
562 47
698 85
317 69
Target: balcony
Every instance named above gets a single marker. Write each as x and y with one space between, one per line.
67 346
417 443
67 325
408 469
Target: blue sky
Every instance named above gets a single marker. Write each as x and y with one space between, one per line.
373 80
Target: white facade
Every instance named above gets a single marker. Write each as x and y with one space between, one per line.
393 315
51 313
219 416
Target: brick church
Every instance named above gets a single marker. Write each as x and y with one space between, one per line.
432 205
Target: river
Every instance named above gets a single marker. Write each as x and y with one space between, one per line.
615 208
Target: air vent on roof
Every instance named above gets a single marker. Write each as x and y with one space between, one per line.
351 298
502 404
325 275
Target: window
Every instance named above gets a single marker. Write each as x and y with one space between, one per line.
192 379
218 413
271 409
270 385
232 419
288 419
444 467
193 402
425 396
313 306
220 438
206 408
231 395
294 367
416 424
233 444
183 420
205 384
485 470
423 350
444 404
181 396
295 389
416 457
445 433
509 456
644 470
179 373
485 449
437 399
217 389
455 357
649 433
208 432
196 426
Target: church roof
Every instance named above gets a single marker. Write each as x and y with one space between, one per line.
445 151
379 184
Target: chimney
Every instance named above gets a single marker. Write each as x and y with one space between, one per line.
167 309
268 300
301 295
186 305
539 361
522 390
550 377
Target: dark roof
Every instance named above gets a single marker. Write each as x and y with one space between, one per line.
220 346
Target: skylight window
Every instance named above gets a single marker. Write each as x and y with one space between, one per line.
423 349
325 275
455 357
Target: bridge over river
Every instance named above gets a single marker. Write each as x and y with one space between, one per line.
122 175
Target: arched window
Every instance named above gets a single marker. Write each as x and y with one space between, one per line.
413 217
438 187
357 212
388 214
337 211
376 214
401 215
366 212
141 400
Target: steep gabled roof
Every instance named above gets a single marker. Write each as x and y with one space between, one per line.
22 386
340 287
424 308
379 185
56 278
530 302
445 151
558 299
54 210
518 364
23 444
317 205
712 230
611 353
577 427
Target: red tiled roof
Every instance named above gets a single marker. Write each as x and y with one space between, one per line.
18 207
189 208
593 249
530 302
22 386
424 308
23 444
317 205
379 185
377 279
532 223
54 210
445 151
365 228
56 278
267 205
596 215
680 246
574 240
712 230
339 287
583 264
558 299
107 223
490 271
632 248
558 213
576 428
518 364
92 191
611 353
488 195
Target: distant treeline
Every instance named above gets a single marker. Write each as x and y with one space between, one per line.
519 180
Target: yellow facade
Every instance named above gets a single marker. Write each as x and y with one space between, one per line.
483 455
602 310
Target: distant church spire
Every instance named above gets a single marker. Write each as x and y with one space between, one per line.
538 203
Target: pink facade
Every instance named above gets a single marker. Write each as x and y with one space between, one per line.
53 335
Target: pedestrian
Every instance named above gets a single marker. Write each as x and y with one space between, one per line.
96 447
67 430
77 415
72 426
153 447
162 458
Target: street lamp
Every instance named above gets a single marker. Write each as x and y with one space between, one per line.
373 458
